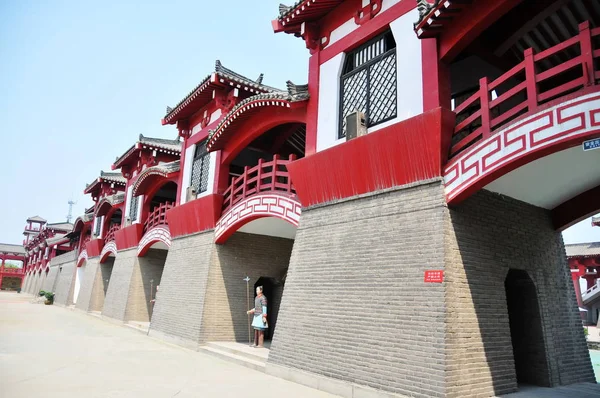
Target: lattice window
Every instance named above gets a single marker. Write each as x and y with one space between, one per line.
368 83
98 224
200 168
133 208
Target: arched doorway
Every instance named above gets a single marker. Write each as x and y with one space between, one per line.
529 350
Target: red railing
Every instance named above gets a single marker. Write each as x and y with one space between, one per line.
6 270
539 78
110 235
158 216
264 177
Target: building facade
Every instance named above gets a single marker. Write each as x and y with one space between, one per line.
402 210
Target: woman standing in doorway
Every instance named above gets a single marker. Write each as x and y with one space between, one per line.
259 323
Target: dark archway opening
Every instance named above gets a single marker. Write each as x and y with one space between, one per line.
273 290
529 351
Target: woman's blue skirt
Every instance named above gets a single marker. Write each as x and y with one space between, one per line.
258 324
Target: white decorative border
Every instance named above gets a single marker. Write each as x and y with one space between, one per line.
261 205
107 250
156 234
552 126
82 256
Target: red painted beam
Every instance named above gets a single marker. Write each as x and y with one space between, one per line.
408 151
94 247
195 216
129 237
576 209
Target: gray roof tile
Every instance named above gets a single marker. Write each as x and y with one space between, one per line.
9 248
589 249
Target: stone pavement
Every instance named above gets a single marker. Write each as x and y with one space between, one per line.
55 352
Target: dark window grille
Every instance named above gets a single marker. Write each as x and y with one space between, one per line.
368 83
133 208
200 168
98 222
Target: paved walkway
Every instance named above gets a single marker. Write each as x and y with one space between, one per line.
47 351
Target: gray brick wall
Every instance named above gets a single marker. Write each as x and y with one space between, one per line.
147 272
66 277
180 299
115 301
256 256
355 307
50 280
485 236
90 270
103 274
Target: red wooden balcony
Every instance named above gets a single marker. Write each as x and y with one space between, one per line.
11 271
158 216
110 235
563 69
264 177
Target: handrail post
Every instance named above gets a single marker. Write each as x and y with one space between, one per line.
259 176
587 53
530 80
244 182
274 171
484 101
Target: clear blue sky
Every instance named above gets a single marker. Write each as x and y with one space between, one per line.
80 80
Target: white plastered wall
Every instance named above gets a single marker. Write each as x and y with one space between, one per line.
409 83
187 173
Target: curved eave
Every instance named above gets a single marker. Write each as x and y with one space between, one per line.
148 177
105 205
438 17
228 125
303 11
202 95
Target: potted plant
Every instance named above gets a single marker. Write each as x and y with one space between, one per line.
49 298
42 293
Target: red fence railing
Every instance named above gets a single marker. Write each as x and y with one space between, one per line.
539 78
264 177
17 271
158 216
110 235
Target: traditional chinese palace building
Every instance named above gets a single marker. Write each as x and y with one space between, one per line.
402 210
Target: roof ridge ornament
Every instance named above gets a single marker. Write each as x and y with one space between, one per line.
260 78
169 109
283 9
295 90
424 7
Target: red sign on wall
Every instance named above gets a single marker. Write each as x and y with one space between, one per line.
434 276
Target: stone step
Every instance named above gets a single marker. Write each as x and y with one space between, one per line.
244 350
218 352
141 327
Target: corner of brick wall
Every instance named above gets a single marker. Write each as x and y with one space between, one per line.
355 306
177 314
485 236
117 294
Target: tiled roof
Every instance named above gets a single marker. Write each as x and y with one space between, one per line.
159 143
55 239
61 226
294 93
590 249
8 248
163 169
36 218
596 221
290 18
254 86
110 176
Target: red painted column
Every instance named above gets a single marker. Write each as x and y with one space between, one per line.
436 77
312 110
575 278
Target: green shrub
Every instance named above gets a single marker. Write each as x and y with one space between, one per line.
49 297
585 332
42 293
